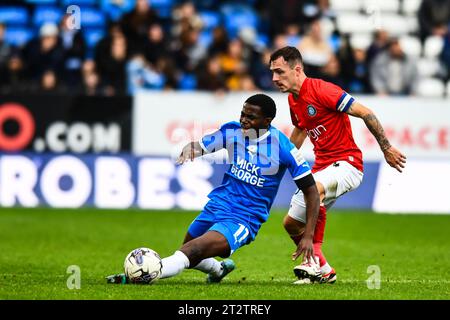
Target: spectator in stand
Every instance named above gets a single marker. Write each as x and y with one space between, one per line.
280 41
155 46
5 49
13 78
359 82
445 55
50 84
44 53
261 73
219 42
142 75
315 49
210 75
74 49
282 13
247 83
392 72
184 18
90 85
135 24
111 65
331 72
232 64
434 17
166 66
187 50
379 44
186 28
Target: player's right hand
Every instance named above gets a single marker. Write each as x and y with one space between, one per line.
188 153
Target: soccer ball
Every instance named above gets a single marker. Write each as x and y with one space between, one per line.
143 265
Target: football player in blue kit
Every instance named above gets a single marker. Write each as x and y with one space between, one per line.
259 155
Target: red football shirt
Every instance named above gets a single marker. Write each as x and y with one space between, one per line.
320 110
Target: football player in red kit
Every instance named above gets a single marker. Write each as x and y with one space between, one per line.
320 110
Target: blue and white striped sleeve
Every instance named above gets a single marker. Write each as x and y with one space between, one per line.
344 102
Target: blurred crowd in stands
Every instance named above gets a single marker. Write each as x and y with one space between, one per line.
224 46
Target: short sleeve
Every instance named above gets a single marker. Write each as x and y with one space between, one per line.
294 118
297 165
217 140
333 97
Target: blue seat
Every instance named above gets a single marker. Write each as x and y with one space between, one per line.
163 7
17 36
92 36
92 18
37 2
79 2
44 14
238 16
187 82
12 15
115 9
210 19
205 38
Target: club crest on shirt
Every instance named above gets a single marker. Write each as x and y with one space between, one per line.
311 110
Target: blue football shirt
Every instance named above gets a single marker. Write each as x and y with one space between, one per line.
256 168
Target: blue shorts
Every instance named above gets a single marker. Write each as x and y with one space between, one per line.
238 229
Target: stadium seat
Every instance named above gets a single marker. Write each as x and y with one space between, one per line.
348 5
433 46
428 67
92 36
187 82
262 40
12 15
430 88
37 2
383 6
18 36
237 17
205 38
92 18
115 9
411 46
354 23
163 7
360 41
79 2
210 19
44 14
410 7
396 25
293 40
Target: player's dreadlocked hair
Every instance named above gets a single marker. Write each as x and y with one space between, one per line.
290 54
266 103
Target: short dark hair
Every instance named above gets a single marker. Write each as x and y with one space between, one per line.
266 103
291 54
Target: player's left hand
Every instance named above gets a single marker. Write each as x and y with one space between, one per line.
305 247
395 158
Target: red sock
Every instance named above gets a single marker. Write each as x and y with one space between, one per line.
318 235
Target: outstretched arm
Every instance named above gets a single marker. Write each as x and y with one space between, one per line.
190 151
393 156
312 202
298 136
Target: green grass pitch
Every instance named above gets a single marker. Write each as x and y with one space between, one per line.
38 245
